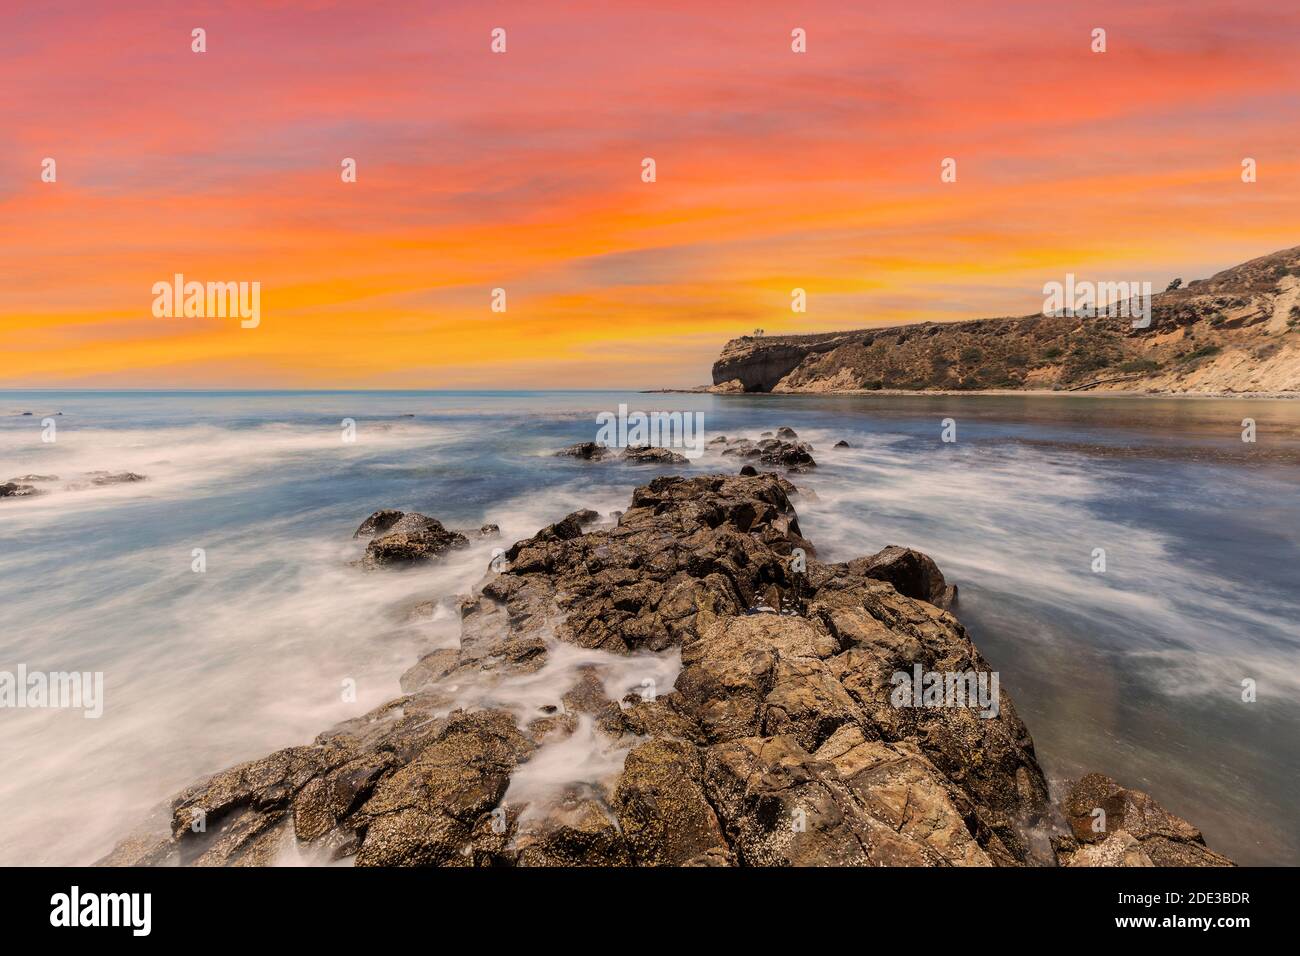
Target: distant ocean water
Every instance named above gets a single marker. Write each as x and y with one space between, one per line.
1135 672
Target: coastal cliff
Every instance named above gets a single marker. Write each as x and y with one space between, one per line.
782 739
1238 331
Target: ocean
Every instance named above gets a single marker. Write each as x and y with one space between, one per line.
220 599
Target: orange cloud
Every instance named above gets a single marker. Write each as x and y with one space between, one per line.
522 171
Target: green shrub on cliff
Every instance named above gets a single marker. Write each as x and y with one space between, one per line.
1139 365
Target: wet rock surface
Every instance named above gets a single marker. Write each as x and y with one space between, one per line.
122 478
586 450
783 449
776 743
910 572
16 489
649 455
402 539
1114 826
634 454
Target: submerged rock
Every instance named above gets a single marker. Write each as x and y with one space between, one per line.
793 455
586 450
648 455
383 521
103 478
636 454
780 742
125 477
796 456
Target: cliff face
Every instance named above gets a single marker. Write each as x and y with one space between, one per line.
1238 331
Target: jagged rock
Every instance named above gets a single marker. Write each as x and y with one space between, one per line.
430 668
796 456
742 447
1121 849
488 531
646 455
423 813
578 832
793 455
12 489
787 433
900 786
118 479
410 539
781 806
586 450
662 810
780 742
733 387
378 523
566 529
1131 830
910 572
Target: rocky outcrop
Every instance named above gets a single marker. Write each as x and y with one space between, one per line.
783 450
910 572
752 364
123 478
586 450
649 455
1114 826
780 741
402 539
635 454
378 523
1238 331
14 489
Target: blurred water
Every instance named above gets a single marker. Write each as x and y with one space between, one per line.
1135 672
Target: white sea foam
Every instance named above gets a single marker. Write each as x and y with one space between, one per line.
184 461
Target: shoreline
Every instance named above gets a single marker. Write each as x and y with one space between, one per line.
756 722
995 392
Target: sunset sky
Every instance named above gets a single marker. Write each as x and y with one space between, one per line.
522 170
